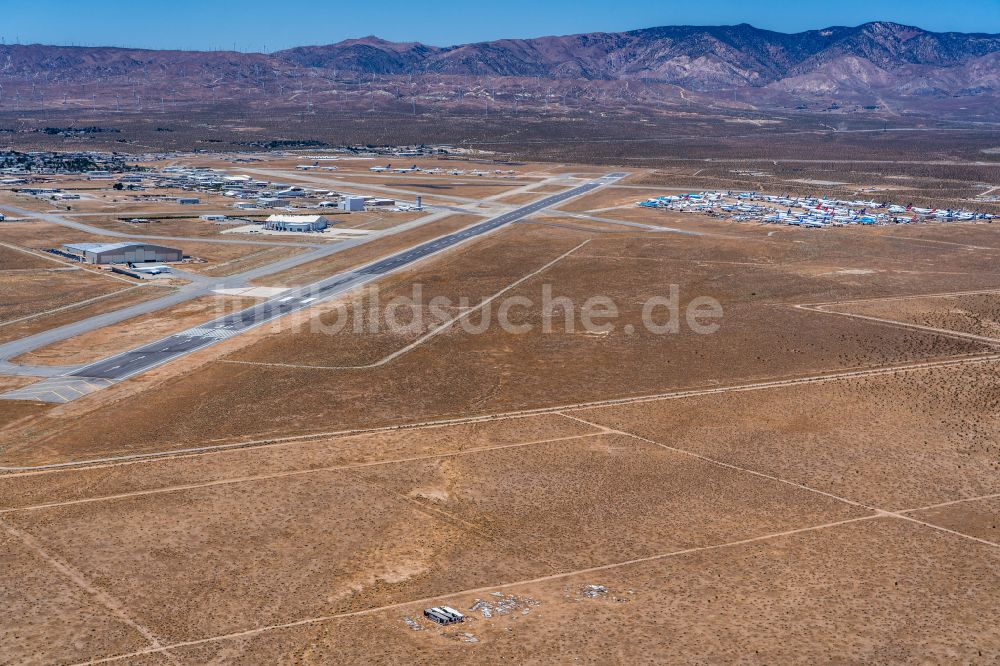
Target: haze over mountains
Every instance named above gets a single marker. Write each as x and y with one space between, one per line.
863 64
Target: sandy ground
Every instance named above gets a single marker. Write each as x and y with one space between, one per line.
33 292
131 333
365 253
12 259
519 199
127 295
8 382
977 314
799 486
763 336
257 256
799 599
42 235
609 197
772 563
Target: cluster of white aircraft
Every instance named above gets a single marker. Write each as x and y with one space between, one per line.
388 168
804 211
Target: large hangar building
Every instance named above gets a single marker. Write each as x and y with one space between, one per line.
297 223
123 253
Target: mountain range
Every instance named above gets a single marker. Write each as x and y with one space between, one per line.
870 61
701 58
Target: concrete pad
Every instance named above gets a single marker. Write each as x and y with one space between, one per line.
57 389
252 292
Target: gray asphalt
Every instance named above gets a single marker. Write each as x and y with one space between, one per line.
201 286
91 229
146 357
342 183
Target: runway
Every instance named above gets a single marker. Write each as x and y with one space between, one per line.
128 364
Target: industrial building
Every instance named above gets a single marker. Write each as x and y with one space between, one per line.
298 223
443 615
352 204
123 253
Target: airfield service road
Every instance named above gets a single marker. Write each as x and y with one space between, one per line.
122 366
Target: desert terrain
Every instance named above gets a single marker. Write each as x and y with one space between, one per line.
814 479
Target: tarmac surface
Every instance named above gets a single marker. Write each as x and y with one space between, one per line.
121 366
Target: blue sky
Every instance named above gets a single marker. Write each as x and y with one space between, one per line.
256 25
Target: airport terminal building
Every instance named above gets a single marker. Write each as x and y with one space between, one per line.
122 253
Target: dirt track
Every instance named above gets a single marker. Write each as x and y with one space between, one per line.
802 485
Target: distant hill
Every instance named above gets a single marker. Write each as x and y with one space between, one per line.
874 61
701 58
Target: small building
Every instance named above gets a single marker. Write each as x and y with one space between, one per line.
188 201
244 205
299 223
352 204
443 615
123 253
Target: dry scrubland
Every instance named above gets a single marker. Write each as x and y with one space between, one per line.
836 515
191 227
976 314
13 259
36 235
33 292
131 333
125 296
757 279
217 259
366 253
442 184
702 546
